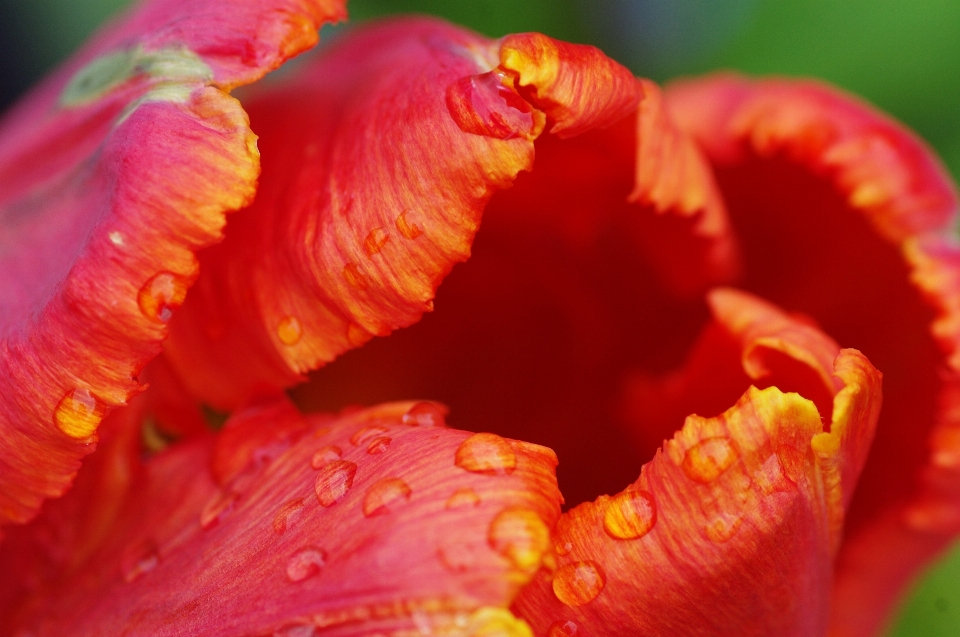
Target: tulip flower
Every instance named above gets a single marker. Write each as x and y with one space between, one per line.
675 265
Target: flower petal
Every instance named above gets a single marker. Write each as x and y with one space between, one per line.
361 524
838 210
112 174
731 528
359 218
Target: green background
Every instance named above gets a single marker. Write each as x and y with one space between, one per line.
902 55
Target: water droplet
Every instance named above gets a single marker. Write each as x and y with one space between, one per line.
287 514
378 445
462 498
305 563
78 414
334 480
486 453
365 435
295 630
139 559
578 583
459 558
116 238
407 228
376 239
161 295
490 621
218 507
357 336
722 528
289 330
482 105
520 536
630 515
707 459
426 414
385 494
563 629
353 275
325 456
771 478
563 548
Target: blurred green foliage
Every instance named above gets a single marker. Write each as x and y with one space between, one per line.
902 56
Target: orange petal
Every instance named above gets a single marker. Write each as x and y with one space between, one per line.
405 539
114 171
354 236
747 505
838 211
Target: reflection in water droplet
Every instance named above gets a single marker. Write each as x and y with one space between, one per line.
462 498
357 336
378 445
334 480
407 228
305 563
482 105
376 239
723 527
353 275
161 295
78 414
287 514
325 456
218 507
138 559
490 621
426 414
563 629
578 583
289 330
486 453
562 548
520 536
707 459
630 515
384 495
365 435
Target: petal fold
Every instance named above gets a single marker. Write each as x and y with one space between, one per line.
349 524
113 173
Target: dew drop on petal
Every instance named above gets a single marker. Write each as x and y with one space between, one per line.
563 629
563 548
407 228
305 563
771 478
458 558
490 621
578 583
384 495
161 295
486 453
708 458
287 514
426 414
116 238
376 239
722 528
325 456
289 330
462 498
219 506
296 630
353 275
520 536
334 480
139 559
482 105
366 434
78 414
378 445
630 515
357 335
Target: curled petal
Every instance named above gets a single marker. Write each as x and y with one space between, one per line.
113 173
397 537
839 210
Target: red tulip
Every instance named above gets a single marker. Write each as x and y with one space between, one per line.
595 300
